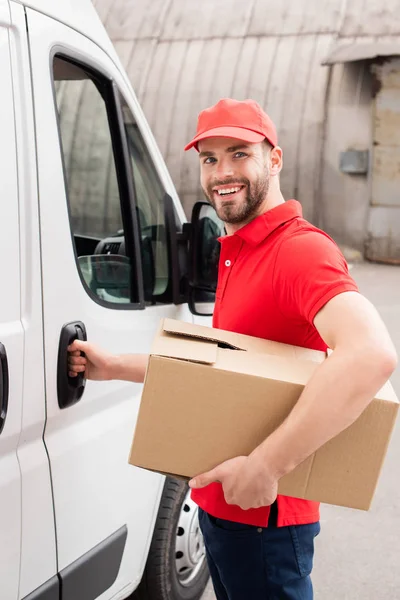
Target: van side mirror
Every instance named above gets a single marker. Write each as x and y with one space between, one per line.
204 258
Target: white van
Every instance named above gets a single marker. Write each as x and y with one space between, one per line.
93 243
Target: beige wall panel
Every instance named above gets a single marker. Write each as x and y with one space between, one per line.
268 17
261 70
354 10
103 8
393 16
140 63
125 51
294 19
332 181
322 16
166 92
279 84
183 118
131 19
207 19
309 151
188 22
226 73
152 88
244 68
346 197
384 224
371 17
293 106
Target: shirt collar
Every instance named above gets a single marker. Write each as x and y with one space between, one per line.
261 227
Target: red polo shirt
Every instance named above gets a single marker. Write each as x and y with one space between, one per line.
275 274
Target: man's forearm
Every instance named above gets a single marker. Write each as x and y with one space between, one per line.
129 367
339 391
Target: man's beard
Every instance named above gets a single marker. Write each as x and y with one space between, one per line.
244 212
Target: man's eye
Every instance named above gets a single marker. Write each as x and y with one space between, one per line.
240 154
209 160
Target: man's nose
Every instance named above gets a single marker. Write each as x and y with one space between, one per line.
224 169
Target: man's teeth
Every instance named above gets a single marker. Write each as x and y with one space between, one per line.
228 191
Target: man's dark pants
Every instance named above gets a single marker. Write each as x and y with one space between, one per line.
253 563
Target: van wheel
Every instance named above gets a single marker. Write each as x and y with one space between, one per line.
176 567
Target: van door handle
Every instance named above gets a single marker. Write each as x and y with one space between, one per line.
69 389
3 386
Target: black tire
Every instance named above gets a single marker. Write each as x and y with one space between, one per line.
161 580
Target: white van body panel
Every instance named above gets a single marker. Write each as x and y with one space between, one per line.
77 14
37 564
95 490
5 19
11 331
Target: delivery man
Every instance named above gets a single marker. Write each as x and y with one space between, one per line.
280 278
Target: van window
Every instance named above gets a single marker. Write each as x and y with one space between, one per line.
149 194
97 208
92 185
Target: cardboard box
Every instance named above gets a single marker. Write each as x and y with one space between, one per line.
210 395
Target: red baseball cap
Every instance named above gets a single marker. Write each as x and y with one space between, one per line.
244 120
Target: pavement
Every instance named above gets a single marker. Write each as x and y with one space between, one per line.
357 555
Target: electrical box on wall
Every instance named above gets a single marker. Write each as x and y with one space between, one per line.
354 162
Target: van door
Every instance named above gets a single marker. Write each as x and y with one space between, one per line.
11 331
38 566
105 275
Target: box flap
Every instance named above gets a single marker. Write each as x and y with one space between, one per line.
184 348
227 339
238 341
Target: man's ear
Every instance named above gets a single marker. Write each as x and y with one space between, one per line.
276 160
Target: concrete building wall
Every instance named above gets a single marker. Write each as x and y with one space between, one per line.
344 198
183 56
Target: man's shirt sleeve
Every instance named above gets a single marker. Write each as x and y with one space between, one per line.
309 271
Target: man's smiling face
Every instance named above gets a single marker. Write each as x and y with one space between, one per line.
235 177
